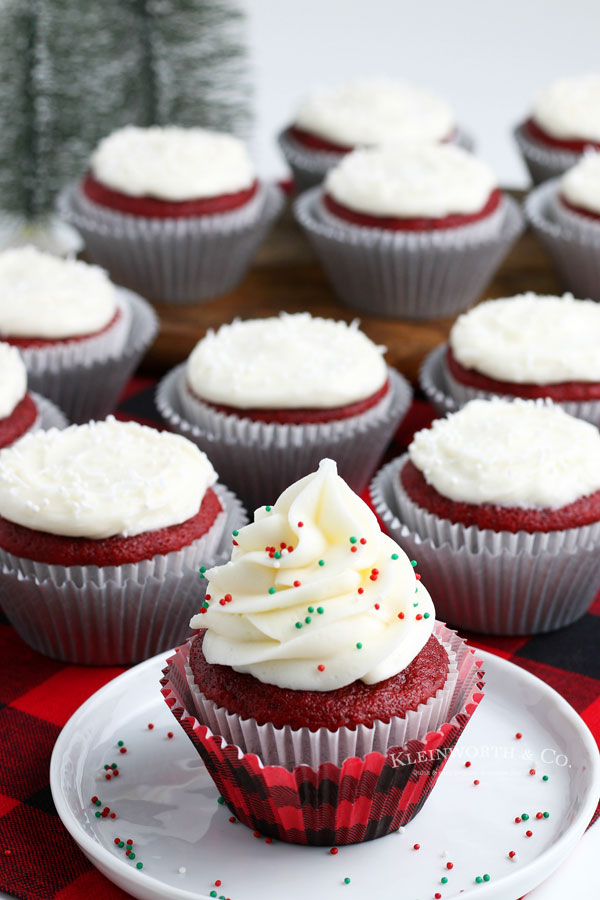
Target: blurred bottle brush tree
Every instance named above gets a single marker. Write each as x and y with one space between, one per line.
71 71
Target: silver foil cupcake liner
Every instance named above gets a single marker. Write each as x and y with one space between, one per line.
259 459
416 275
49 416
493 582
543 162
309 167
114 615
570 220
447 394
184 260
574 251
290 747
90 388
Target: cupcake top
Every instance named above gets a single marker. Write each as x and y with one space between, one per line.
45 296
375 110
580 185
570 109
13 379
102 479
286 362
524 454
315 596
530 339
172 163
411 180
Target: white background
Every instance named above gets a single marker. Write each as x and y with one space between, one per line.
488 59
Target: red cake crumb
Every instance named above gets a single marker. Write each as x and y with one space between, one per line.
300 416
20 420
49 342
560 392
164 209
584 511
575 146
354 704
113 551
421 223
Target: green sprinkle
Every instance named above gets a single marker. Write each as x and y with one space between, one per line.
544 777
486 878
416 590
272 590
205 604
346 881
444 880
106 767
321 562
277 554
268 508
478 880
353 540
213 894
235 533
320 610
308 620
298 624
220 800
121 844
97 814
98 803
132 855
413 562
546 815
359 646
113 765
311 609
425 615
524 816
394 556
139 865
120 743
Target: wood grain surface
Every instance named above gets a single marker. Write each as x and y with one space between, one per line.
286 275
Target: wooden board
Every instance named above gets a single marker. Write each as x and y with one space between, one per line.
286 275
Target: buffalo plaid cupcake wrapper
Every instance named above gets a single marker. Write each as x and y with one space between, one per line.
493 582
412 275
543 162
359 800
447 394
114 615
259 459
183 260
88 388
574 251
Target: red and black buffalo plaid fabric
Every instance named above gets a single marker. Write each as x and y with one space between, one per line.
38 859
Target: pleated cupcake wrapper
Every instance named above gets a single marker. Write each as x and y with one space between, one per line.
569 220
184 260
410 275
57 357
493 582
89 389
114 615
287 746
259 460
309 167
48 415
432 381
574 252
358 800
543 162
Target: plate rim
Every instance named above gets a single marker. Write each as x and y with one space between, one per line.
540 868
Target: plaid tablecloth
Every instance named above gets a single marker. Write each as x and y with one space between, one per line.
38 859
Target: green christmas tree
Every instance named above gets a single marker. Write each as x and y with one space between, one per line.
71 71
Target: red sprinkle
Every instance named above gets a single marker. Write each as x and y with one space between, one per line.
228 598
203 609
169 734
511 854
353 549
517 819
108 776
206 597
416 846
373 577
400 615
363 540
282 545
218 882
361 590
333 851
529 833
437 895
375 571
321 667
532 771
467 764
116 841
268 840
518 735
115 773
418 617
232 819
449 865
113 815
150 726
476 781
123 750
296 584
300 524
234 542
377 606
539 815
417 576
290 549
256 834
129 841
222 601
94 799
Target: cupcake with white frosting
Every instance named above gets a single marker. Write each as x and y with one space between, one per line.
20 410
410 231
174 213
319 660
500 503
527 346
266 399
79 336
564 122
363 112
102 529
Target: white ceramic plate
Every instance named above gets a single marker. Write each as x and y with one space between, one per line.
167 804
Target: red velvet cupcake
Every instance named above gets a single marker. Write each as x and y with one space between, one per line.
18 412
102 529
320 659
266 399
175 213
501 501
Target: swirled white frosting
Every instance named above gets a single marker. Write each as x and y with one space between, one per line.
172 163
102 479
286 362
530 339
13 379
570 109
411 180
374 111
45 296
581 184
289 615
524 453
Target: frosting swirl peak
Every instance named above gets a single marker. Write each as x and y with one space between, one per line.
315 596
